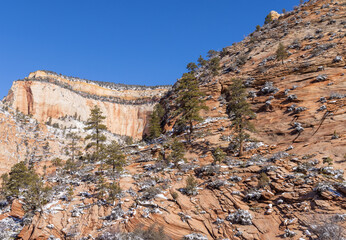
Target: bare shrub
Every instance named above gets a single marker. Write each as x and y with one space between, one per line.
329 227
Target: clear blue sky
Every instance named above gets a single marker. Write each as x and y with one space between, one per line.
145 42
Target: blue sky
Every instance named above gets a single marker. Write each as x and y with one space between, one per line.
133 42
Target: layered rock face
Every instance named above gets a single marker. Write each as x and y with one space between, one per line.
47 95
290 182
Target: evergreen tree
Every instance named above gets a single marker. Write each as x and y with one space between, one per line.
113 191
212 53
37 194
192 67
115 157
218 155
240 112
214 65
178 151
155 122
201 61
189 102
72 146
94 123
27 182
20 177
281 53
268 18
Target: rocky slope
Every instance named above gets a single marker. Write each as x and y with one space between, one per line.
283 187
47 95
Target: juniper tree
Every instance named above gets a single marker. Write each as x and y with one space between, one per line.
281 53
155 122
239 112
94 123
189 102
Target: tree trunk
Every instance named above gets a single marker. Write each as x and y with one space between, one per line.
241 140
191 131
241 151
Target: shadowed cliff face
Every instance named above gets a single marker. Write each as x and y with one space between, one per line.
45 95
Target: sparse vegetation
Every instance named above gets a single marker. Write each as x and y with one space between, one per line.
178 151
218 155
191 185
268 19
239 112
281 53
328 160
151 233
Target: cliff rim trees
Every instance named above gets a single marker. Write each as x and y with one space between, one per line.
239 112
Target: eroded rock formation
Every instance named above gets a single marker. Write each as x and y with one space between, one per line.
47 95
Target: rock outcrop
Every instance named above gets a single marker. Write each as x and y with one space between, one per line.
47 95
289 183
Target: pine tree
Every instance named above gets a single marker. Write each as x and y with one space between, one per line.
37 194
20 177
115 157
218 155
240 112
155 122
189 101
22 181
212 53
268 18
214 65
94 123
178 151
113 190
192 67
201 61
72 146
281 53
